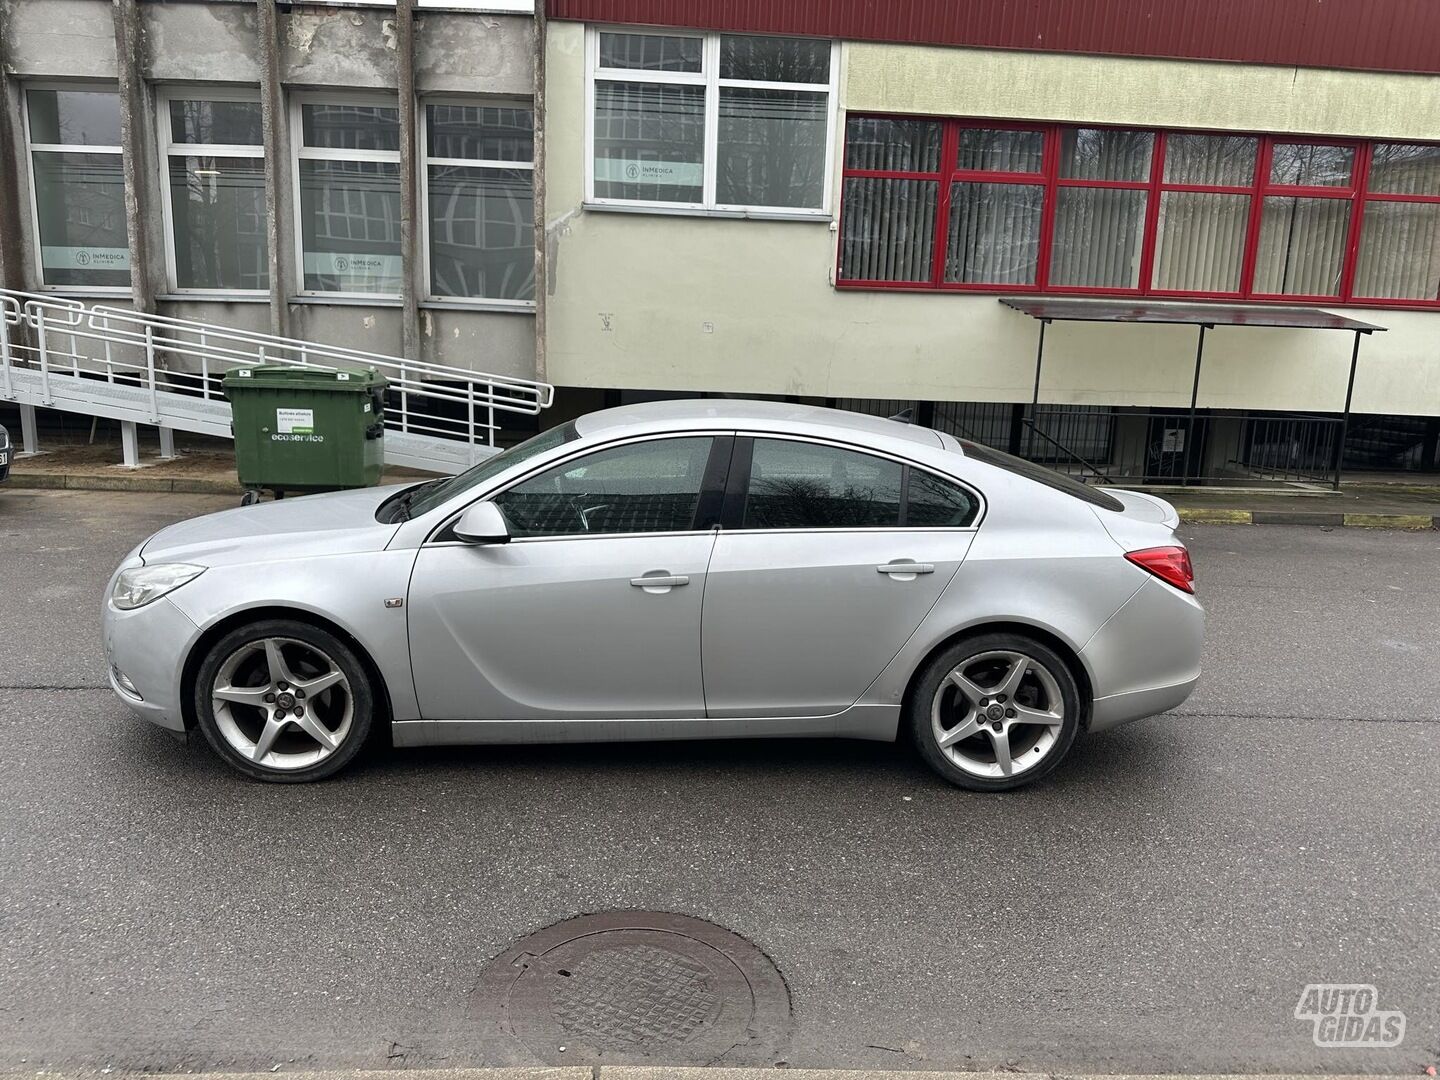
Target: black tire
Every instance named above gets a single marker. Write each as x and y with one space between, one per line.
250 498
920 717
300 637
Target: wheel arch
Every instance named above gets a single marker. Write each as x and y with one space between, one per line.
236 619
1038 633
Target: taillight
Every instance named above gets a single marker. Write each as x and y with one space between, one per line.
1170 564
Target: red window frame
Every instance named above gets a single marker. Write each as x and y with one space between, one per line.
1356 193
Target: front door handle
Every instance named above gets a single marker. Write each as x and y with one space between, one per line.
905 568
659 580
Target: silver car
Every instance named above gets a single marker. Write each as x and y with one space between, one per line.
678 570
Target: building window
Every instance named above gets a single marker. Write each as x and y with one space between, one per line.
1399 257
214 167
990 206
479 200
78 184
721 122
348 210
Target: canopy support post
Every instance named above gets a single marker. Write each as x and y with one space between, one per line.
1191 437
1035 397
1345 417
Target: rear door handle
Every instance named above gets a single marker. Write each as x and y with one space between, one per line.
659 581
910 568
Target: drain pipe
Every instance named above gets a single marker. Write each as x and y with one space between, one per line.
409 182
129 57
11 234
139 217
278 231
542 260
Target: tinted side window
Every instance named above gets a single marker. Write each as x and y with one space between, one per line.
796 485
937 503
1041 475
640 488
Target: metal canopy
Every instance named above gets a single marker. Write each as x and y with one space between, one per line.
1206 316
1300 318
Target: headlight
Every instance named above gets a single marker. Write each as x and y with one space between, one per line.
138 587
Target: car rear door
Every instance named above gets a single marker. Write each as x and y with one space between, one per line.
828 559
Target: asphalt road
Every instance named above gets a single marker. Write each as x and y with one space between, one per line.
1158 905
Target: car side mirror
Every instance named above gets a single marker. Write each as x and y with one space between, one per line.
483 523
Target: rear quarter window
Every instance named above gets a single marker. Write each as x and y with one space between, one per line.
1041 475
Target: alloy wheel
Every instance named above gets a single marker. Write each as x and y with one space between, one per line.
998 714
282 703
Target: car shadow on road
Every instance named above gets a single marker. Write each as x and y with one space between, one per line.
1126 757
1131 758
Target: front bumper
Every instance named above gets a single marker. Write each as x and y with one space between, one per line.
149 645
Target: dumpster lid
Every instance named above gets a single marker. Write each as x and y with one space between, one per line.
307 378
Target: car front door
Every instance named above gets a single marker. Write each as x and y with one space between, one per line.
829 559
592 609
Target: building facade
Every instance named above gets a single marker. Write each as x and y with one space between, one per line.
828 200
822 201
251 165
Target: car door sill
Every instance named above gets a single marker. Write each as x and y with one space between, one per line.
875 722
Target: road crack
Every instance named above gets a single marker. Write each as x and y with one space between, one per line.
1309 719
53 688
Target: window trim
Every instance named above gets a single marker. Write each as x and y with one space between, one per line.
709 77
299 151
495 7
738 488
30 149
1356 193
423 163
581 449
167 148
742 442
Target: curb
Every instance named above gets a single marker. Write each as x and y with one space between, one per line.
180 485
1207 516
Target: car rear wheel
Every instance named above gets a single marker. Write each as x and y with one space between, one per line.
995 712
284 701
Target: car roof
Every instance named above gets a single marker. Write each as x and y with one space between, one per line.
777 416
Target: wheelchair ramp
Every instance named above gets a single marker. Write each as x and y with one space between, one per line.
57 353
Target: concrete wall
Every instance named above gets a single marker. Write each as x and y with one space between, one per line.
340 49
694 303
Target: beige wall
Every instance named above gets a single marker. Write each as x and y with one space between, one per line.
693 303
1150 93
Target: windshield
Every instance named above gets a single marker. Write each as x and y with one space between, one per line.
426 497
1040 474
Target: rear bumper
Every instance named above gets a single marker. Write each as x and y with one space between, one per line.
1110 712
1146 658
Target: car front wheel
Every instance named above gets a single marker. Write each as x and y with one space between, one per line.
995 712
284 701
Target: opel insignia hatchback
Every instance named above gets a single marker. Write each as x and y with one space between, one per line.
678 570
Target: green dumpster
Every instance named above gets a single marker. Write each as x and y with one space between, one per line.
306 429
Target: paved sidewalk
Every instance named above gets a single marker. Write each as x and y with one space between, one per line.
201 467
207 466
1365 504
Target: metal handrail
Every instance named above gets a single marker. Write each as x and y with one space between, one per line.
1030 423
141 347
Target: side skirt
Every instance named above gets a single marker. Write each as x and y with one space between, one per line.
879 723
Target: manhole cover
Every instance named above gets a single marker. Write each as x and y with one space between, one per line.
637 986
